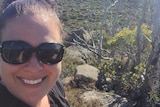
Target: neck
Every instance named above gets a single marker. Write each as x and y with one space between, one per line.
43 103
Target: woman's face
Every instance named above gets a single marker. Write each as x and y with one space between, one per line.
32 80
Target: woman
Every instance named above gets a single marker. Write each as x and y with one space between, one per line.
31 54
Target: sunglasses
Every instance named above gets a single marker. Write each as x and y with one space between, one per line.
19 52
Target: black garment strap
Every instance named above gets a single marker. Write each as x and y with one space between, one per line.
57 96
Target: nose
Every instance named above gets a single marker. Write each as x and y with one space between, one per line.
34 64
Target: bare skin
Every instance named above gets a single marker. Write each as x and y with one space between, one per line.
19 79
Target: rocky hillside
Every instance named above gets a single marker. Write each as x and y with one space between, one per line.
88 14
78 13
80 85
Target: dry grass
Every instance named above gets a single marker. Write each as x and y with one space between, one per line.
73 96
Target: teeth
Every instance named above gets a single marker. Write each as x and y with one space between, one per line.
32 82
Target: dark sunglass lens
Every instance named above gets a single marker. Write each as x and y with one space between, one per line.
50 53
15 52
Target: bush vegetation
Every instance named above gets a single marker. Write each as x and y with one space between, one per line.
127 77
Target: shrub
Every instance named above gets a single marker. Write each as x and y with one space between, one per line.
69 64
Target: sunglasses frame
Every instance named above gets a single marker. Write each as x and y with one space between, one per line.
38 50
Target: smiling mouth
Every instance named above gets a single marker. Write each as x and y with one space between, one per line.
32 82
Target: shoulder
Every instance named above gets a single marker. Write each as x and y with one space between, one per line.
57 95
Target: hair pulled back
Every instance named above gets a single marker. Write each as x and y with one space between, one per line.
15 8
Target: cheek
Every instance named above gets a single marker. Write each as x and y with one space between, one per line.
55 70
6 70
0 64
5 73
4 67
0 67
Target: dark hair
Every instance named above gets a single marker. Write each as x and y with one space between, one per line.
7 2
16 8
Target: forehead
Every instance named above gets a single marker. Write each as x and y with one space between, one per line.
32 27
